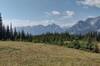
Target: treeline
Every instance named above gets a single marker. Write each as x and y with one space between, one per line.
8 33
85 42
52 38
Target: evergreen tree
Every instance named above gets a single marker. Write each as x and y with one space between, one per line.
11 33
8 33
22 35
0 27
15 34
3 33
19 36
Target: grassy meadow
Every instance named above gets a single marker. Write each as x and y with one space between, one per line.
30 54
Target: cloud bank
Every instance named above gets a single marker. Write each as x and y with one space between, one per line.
92 3
60 18
68 13
21 23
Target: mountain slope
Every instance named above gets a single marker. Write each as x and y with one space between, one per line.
89 25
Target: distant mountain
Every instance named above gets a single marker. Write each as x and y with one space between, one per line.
81 27
89 25
40 29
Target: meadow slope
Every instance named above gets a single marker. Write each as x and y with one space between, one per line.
30 54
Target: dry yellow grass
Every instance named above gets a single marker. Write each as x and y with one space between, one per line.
30 54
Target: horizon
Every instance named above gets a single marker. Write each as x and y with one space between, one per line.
45 12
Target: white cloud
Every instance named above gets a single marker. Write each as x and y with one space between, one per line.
61 20
70 13
64 18
64 14
53 13
95 3
21 23
91 16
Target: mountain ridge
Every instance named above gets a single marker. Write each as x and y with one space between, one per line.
88 25
40 29
81 27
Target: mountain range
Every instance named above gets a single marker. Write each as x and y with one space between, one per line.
81 27
40 29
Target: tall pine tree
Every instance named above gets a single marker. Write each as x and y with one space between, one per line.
0 27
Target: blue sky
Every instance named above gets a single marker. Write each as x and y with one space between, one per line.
34 12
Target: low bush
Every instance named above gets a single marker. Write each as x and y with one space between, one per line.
87 46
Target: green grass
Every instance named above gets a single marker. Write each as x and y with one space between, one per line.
30 54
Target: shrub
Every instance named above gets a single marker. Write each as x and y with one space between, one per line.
74 44
87 46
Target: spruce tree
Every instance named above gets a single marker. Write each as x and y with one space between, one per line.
8 33
0 27
22 35
15 34
3 33
11 33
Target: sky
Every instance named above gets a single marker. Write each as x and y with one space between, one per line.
34 12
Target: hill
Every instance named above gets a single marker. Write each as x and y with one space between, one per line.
30 54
